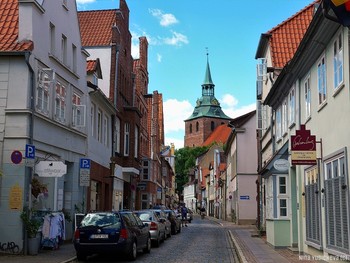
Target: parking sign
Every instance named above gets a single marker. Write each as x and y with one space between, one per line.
30 151
84 163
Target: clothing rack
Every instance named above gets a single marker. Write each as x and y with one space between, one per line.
53 230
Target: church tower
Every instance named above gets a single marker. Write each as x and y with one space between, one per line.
206 116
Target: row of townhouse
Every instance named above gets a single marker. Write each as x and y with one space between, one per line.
302 112
75 116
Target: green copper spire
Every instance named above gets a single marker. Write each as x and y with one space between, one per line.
208 105
207 77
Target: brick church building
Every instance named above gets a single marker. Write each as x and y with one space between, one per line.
206 116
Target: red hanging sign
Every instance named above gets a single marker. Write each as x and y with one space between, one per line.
303 147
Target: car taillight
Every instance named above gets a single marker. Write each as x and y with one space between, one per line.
77 234
123 233
154 226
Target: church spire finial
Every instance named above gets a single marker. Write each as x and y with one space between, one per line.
207 77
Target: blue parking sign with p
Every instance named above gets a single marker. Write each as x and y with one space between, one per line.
85 163
30 151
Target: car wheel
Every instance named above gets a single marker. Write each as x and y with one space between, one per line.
81 256
147 249
157 242
132 254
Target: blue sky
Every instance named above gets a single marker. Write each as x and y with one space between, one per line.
180 32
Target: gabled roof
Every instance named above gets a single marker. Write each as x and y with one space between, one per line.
219 135
96 27
285 38
94 66
9 16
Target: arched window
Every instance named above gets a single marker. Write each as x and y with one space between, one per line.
197 126
191 128
212 126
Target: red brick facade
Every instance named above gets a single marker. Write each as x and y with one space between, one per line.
198 130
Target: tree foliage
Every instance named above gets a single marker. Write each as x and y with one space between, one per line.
185 159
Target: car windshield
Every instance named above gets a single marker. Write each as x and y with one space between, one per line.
101 220
144 216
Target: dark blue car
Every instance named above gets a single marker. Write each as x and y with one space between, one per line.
111 233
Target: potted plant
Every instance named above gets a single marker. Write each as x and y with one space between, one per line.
32 227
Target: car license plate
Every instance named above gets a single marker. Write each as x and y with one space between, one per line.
99 236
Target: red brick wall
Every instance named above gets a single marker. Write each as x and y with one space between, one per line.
196 138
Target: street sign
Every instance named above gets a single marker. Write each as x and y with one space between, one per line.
16 157
244 197
84 177
30 151
85 163
50 169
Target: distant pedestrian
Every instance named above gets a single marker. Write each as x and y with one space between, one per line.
184 214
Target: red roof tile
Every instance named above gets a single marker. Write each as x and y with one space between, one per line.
219 135
9 28
90 66
96 27
285 37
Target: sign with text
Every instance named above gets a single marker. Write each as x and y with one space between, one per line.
303 147
85 165
50 169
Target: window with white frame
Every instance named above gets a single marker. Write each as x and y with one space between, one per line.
43 92
336 203
60 101
282 197
78 111
126 139
136 141
269 192
278 123
92 115
117 135
105 130
284 117
307 97
291 105
312 206
321 81
338 61
64 49
99 125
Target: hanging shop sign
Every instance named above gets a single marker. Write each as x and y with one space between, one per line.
50 169
303 147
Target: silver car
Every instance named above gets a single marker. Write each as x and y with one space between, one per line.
164 217
156 225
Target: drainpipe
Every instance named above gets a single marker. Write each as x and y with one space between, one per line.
29 170
116 77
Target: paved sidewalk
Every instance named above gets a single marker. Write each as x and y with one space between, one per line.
64 254
251 249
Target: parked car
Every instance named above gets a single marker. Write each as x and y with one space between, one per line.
162 215
157 225
174 220
120 232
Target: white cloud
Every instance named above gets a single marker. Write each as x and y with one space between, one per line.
229 104
178 142
159 57
165 19
175 112
177 39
